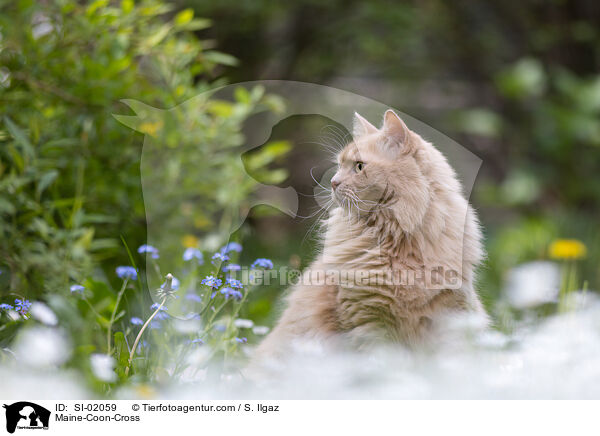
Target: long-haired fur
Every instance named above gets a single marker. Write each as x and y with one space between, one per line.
399 215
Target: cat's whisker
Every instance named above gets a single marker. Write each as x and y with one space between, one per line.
341 134
334 131
318 221
357 199
375 204
323 195
315 213
335 139
330 154
319 199
332 148
315 180
363 189
324 190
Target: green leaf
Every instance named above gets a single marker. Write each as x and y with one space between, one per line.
156 9
257 93
220 108
197 24
274 177
17 158
184 17
127 6
102 244
220 58
120 315
278 148
95 218
121 353
6 207
132 260
59 144
256 159
19 136
46 180
98 4
158 36
524 79
242 95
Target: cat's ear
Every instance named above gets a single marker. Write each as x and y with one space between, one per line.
394 127
361 126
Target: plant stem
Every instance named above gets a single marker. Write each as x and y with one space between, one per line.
156 268
241 303
215 313
139 336
112 317
84 298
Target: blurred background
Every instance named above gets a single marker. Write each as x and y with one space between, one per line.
515 82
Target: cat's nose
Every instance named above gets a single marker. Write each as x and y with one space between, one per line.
334 183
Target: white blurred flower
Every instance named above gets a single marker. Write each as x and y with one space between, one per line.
42 346
103 367
260 330
212 242
532 284
41 25
198 357
14 315
4 77
243 323
43 314
20 382
187 326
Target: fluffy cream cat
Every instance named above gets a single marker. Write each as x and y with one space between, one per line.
401 246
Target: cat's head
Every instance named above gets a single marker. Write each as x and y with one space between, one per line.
387 169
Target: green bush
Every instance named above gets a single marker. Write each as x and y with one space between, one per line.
69 171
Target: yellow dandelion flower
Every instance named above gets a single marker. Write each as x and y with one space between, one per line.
189 241
567 249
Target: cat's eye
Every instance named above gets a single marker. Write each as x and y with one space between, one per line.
359 166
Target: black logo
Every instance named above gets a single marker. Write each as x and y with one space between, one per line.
26 415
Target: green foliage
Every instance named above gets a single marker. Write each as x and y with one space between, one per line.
524 79
70 178
196 186
121 354
71 183
45 238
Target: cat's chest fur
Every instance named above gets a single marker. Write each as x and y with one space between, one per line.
379 294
